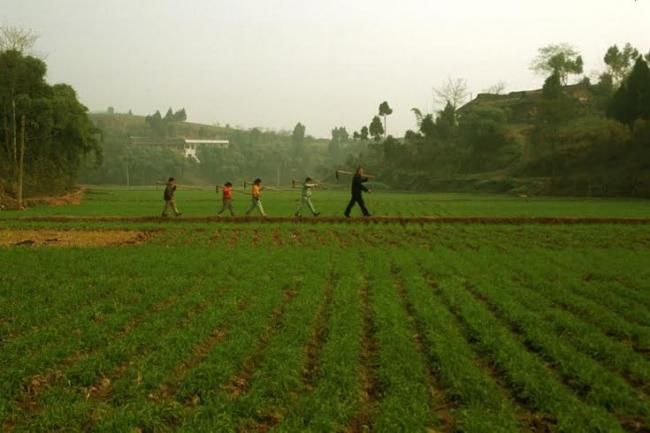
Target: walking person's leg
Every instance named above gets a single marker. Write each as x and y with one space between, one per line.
311 206
299 208
165 207
253 206
362 205
260 207
348 209
230 208
223 207
174 208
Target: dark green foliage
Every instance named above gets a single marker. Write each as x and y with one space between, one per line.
298 140
58 133
632 100
552 86
364 133
483 130
376 128
619 61
385 110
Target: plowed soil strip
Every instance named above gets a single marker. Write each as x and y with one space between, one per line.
362 420
342 220
72 238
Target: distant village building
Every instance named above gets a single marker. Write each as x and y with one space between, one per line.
186 146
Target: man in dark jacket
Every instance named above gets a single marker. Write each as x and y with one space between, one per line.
170 202
358 188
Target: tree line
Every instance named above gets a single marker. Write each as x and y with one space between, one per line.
45 131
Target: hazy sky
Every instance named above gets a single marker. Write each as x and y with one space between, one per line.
326 63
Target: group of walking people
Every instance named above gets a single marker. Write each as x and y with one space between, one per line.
358 188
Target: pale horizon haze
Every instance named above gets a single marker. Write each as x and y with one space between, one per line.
273 63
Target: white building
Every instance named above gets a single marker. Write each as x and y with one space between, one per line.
187 146
190 146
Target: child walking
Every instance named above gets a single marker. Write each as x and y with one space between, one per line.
256 196
226 198
305 197
168 196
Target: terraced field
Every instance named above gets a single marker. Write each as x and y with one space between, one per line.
291 327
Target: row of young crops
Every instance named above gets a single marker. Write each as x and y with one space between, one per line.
343 329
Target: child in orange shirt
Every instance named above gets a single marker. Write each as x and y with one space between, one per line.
256 195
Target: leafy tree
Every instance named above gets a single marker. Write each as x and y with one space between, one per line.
298 140
446 123
483 129
385 110
632 100
364 133
169 116
620 62
376 128
418 115
55 133
562 59
180 115
428 128
552 88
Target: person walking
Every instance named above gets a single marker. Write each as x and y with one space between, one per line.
305 197
226 199
168 196
358 188
256 198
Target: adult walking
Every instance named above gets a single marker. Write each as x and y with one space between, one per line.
358 188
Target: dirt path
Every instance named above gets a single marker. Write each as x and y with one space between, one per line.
342 220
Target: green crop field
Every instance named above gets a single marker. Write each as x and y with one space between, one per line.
217 326
130 202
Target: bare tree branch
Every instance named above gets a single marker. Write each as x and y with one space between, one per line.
454 92
17 38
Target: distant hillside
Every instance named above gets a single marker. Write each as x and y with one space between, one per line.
522 107
131 124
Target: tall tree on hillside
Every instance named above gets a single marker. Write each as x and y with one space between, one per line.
298 140
376 128
385 110
632 100
620 62
169 116
560 58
